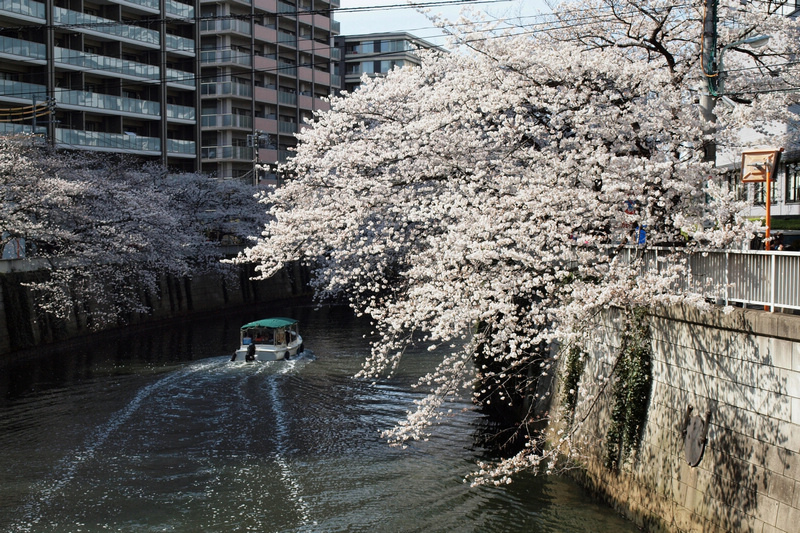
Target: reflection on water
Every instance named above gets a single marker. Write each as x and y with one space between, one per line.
158 431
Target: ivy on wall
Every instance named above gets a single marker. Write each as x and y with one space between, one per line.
574 369
633 380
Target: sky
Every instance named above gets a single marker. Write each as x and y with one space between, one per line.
379 18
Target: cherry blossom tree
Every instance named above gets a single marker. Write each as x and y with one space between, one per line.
477 204
107 229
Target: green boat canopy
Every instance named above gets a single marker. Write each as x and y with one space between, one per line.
277 322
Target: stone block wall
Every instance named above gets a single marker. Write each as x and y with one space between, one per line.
743 370
20 327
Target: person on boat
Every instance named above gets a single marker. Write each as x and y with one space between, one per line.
251 353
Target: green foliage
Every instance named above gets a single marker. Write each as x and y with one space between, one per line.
574 370
632 385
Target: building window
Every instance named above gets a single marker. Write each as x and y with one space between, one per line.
734 179
388 65
793 182
759 193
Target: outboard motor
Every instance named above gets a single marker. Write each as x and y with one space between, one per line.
251 353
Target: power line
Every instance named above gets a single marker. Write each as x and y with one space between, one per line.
531 29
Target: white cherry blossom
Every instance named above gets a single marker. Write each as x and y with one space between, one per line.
481 199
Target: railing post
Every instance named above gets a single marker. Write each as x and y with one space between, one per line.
772 282
727 277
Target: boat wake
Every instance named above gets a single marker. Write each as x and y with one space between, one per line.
282 436
212 431
56 484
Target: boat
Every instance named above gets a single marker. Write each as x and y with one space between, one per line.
270 339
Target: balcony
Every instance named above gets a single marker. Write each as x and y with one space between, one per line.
26 8
266 95
286 9
305 74
267 124
104 64
23 50
22 91
7 128
181 147
265 34
108 141
121 142
287 69
287 38
240 153
266 64
179 10
235 57
287 98
109 103
180 77
226 26
180 45
305 102
91 24
226 88
287 127
227 121
181 112
148 5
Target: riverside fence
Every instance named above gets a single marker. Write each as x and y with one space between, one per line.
748 277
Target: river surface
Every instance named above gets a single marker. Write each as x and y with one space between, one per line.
155 430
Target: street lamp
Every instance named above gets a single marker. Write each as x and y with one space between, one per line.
708 101
715 81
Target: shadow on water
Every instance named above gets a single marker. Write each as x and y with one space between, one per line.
155 430
148 348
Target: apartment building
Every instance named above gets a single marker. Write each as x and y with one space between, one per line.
213 86
375 54
265 67
103 75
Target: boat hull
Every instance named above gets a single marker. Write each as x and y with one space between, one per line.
266 352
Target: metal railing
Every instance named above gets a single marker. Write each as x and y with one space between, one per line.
24 7
227 121
226 25
83 22
231 88
179 9
748 277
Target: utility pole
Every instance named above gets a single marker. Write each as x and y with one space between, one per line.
709 65
254 140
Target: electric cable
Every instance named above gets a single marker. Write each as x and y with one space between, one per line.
547 27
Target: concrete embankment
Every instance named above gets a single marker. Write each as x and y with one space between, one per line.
21 327
740 375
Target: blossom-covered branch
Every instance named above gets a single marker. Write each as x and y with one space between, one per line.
480 199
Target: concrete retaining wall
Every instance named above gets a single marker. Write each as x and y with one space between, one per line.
20 327
742 368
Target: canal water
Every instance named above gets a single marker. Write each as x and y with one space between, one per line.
155 430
